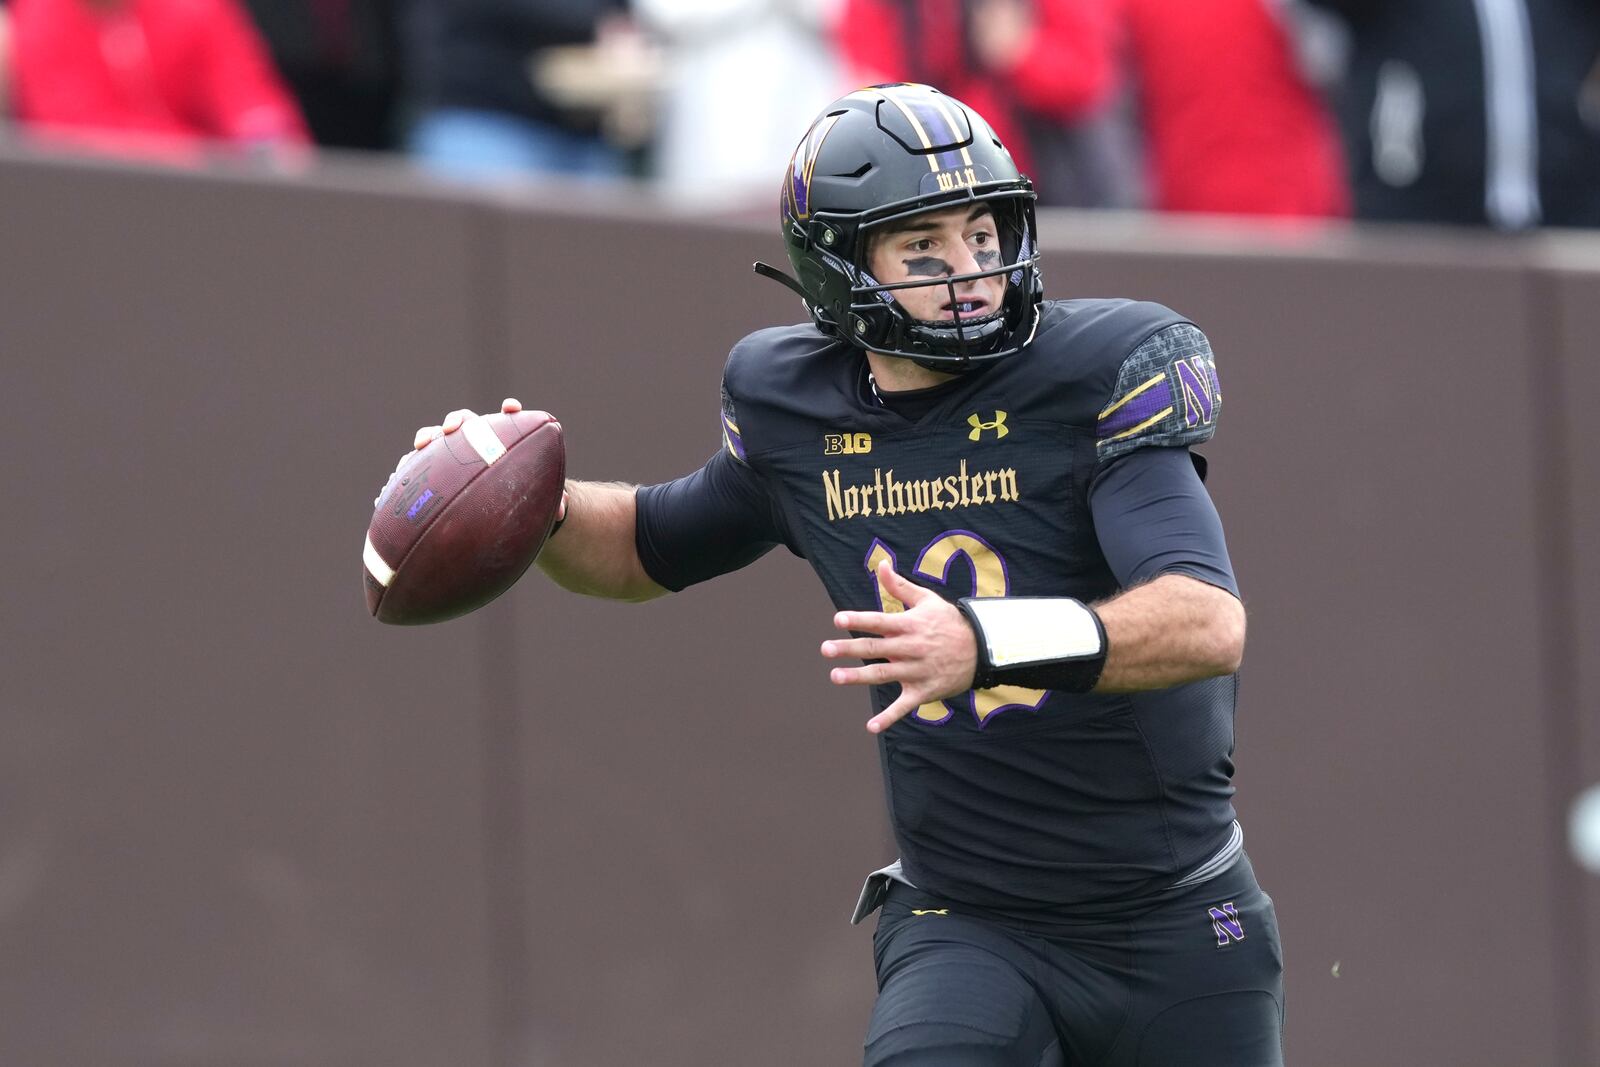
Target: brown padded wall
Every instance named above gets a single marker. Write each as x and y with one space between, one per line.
245 824
1572 298
704 804
242 823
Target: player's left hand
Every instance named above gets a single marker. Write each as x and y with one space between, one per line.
929 648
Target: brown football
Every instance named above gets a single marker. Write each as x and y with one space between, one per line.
461 519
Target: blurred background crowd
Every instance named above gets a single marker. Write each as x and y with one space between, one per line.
1471 112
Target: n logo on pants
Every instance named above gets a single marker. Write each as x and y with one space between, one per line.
1226 924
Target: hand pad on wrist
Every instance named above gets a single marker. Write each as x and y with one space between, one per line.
1037 642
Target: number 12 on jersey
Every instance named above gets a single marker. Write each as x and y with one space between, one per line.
989 578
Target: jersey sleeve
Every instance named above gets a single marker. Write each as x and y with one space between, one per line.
1153 516
1166 394
716 520
732 438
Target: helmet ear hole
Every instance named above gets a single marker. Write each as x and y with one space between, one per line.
812 276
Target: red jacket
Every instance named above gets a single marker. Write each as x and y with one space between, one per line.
1062 73
150 77
1230 125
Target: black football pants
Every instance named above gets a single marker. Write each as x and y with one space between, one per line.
1195 981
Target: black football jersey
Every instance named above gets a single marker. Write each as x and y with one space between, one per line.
1008 797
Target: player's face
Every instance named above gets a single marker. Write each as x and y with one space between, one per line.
936 245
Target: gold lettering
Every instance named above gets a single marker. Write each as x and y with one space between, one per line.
1008 485
897 496
887 495
830 489
956 179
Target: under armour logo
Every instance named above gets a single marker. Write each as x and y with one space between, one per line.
930 911
1226 924
978 426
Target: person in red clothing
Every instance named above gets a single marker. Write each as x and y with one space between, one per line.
5 57
152 78
1231 126
1019 63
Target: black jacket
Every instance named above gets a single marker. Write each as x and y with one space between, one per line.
1474 111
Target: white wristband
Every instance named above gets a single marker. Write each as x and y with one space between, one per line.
1058 642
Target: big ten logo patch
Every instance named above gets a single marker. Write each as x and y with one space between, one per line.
1226 924
846 444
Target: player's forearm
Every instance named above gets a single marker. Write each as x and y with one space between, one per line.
594 552
1172 630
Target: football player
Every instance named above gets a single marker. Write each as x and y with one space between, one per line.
999 494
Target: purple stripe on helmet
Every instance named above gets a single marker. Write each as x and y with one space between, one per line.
798 189
1145 406
802 164
937 125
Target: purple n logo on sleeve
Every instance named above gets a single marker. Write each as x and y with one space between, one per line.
1198 378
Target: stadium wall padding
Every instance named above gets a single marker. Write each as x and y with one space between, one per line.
245 824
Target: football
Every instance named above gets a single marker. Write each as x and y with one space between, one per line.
461 520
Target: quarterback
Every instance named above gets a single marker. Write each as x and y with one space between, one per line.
999 494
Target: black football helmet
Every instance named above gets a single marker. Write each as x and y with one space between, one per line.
875 157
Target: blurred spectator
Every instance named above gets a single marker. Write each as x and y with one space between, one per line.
741 76
1023 64
342 59
1474 111
528 86
1231 123
154 78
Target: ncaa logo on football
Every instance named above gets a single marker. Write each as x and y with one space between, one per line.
846 444
414 498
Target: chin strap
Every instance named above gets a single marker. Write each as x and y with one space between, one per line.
768 271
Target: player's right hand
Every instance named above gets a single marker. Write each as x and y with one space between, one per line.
452 422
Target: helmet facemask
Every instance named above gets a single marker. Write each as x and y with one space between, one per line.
881 322
876 158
